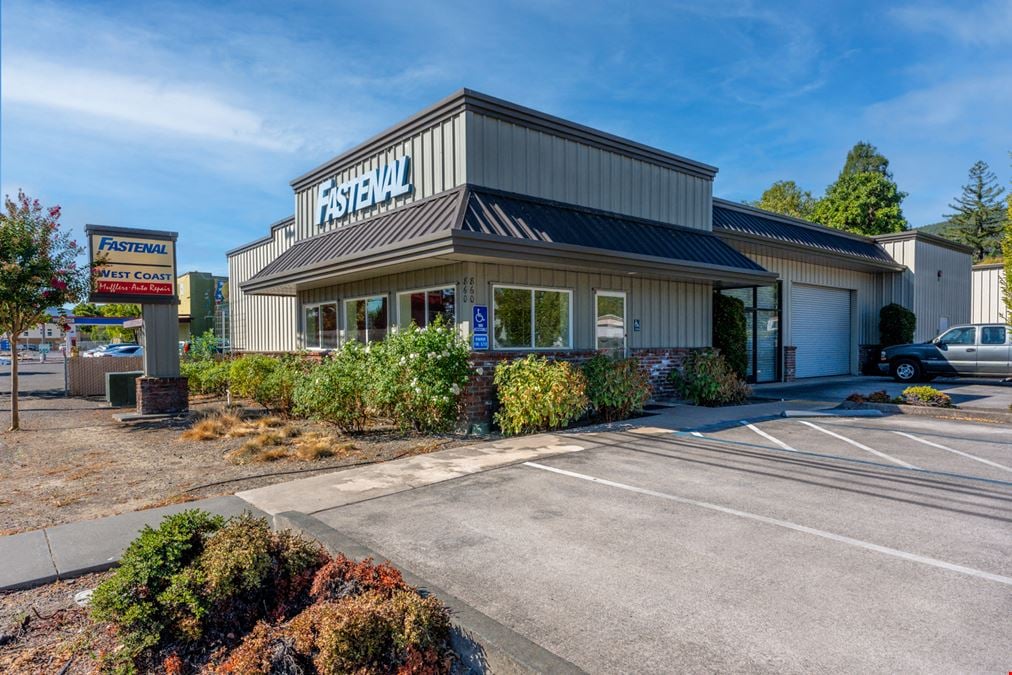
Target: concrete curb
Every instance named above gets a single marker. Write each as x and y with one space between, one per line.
967 414
484 644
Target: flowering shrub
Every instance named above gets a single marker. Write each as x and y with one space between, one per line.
707 379
337 390
926 396
617 388
536 394
419 374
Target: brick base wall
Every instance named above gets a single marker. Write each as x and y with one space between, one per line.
162 395
480 397
790 363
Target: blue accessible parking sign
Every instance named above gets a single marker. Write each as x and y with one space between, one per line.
479 342
479 322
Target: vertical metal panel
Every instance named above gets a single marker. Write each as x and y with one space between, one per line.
433 170
942 288
260 322
987 304
504 156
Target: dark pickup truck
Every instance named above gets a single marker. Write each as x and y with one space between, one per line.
973 350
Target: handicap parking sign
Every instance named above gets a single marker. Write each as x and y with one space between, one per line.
479 317
479 342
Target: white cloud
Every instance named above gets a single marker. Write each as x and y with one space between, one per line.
158 105
985 24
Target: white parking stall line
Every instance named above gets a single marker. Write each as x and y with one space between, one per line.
897 553
948 449
696 434
862 446
769 437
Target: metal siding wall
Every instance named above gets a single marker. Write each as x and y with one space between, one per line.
437 164
987 305
506 156
935 297
671 313
898 287
260 322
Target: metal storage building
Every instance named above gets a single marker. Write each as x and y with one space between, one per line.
987 304
574 240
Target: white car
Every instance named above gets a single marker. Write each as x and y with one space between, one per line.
124 351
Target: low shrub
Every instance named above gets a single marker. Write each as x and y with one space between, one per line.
206 376
266 380
337 390
706 379
342 577
926 396
875 397
419 374
617 388
135 596
536 394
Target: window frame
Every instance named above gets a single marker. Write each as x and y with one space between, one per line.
319 325
366 299
533 290
625 316
397 299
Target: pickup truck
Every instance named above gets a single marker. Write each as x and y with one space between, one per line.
971 350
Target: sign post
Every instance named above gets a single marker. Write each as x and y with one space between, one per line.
139 266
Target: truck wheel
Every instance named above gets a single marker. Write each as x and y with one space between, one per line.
906 370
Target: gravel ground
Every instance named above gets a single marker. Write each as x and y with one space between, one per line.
42 630
73 461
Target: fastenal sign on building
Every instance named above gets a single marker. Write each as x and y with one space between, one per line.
132 265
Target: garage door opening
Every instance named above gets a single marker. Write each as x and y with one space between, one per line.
821 330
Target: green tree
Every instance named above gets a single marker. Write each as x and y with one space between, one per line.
865 158
786 197
121 310
867 202
978 213
38 270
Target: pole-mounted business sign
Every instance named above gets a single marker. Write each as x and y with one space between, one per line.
130 265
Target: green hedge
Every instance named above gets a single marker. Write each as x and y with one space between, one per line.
730 333
896 325
536 394
707 379
617 388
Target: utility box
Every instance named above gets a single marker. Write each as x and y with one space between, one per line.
121 388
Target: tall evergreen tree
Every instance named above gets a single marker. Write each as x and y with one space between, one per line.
978 213
865 158
786 197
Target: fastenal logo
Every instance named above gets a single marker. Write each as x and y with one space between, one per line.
369 189
127 246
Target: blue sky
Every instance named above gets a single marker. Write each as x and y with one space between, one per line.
194 116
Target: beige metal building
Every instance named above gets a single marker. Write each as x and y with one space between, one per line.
564 239
988 304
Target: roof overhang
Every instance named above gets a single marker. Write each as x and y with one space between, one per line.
806 254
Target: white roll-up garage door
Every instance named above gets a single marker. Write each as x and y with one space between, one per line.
820 329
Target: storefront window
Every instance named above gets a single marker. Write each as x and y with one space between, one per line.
609 321
321 326
365 319
422 307
531 318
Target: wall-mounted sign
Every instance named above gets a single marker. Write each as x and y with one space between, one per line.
220 291
374 187
132 265
479 319
636 325
479 343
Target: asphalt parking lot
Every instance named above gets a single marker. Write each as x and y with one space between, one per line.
843 544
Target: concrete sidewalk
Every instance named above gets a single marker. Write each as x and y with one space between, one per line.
62 551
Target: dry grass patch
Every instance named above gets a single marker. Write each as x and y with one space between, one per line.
315 445
212 427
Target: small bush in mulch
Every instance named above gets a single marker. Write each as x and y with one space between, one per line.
204 594
875 397
926 396
706 379
617 388
538 394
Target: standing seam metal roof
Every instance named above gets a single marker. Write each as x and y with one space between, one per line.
487 212
755 224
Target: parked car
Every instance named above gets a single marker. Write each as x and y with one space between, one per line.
977 350
107 350
131 350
